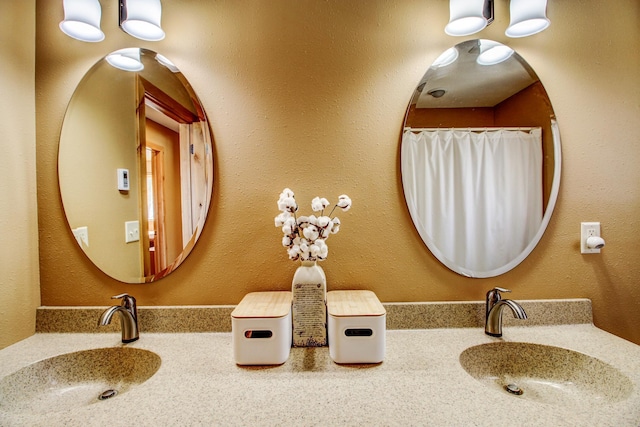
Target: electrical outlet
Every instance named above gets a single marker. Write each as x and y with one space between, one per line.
588 229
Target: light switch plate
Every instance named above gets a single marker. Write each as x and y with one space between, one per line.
132 231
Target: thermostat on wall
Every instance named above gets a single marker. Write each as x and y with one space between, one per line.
123 179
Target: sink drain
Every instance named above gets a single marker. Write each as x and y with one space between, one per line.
108 394
513 389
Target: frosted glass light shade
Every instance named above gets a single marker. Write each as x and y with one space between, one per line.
82 20
466 17
528 17
447 57
493 53
126 59
141 19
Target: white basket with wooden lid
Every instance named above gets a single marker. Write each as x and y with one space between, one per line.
261 328
356 327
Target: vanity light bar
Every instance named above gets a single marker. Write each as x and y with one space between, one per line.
528 17
139 18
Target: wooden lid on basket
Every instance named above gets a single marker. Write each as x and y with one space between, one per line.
354 303
264 304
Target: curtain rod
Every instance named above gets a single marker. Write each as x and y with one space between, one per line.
524 128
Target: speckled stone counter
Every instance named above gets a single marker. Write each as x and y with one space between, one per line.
422 315
420 382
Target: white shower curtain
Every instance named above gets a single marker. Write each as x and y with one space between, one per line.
476 197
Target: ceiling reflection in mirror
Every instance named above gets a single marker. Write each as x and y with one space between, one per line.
135 166
480 158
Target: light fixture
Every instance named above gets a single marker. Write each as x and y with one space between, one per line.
437 93
141 19
492 53
447 57
468 16
126 59
164 61
82 20
528 17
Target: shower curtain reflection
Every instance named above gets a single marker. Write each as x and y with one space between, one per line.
477 195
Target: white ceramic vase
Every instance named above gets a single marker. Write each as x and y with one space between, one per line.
309 290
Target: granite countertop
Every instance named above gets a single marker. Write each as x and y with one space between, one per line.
420 382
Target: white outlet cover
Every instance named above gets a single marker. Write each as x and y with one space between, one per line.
588 229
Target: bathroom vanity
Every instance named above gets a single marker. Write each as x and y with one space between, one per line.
424 379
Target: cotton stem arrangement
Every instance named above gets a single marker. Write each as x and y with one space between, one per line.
305 236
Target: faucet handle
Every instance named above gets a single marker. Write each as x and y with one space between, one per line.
123 296
493 296
128 302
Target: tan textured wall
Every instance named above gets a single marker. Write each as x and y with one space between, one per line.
19 290
99 135
312 95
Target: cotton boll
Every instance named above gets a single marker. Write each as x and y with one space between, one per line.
281 199
325 232
286 241
289 226
324 252
311 232
287 193
344 202
324 226
314 250
323 249
281 218
287 204
323 221
318 204
335 227
303 221
294 253
313 220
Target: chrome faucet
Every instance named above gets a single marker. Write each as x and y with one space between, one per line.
128 317
495 306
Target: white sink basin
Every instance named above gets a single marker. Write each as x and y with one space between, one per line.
546 374
76 379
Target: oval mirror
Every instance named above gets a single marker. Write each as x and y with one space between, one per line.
480 159
135 166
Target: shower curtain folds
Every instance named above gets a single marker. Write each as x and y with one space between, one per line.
475 194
